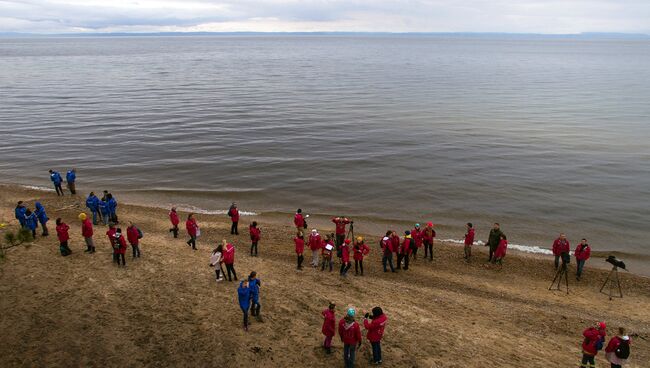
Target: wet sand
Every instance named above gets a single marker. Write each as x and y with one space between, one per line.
165 309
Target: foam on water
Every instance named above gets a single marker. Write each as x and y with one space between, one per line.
533 249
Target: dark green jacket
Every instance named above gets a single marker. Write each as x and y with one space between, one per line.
495 237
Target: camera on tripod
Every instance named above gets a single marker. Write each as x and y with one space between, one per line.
615 262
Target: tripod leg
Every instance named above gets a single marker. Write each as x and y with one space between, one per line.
554 278
618 282
566 278
606 280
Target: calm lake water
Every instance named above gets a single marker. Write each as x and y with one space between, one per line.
542 135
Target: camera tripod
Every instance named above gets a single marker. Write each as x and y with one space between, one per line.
613 281
561 272
350 232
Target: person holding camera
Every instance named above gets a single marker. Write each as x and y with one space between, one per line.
329 327
493 239
582 253
315 244
340 223
387 249
375 324
561 249
350 333
360 250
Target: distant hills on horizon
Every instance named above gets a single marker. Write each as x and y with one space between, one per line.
601 35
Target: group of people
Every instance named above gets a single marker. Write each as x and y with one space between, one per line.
248 295
57 180
562 253
30 220
350 332
617 351
325 249
104 209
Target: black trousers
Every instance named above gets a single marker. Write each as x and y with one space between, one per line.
245 318
174 230
192 242
492 250
344 268
231 269
117 257
358 265
400 258
428 249
59 190
388 258
253 247
233 229
300 259
136 250
340 238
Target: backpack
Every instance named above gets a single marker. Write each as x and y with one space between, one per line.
140 234
623 350
599 344
116 243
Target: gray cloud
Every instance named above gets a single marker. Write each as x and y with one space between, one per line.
535 16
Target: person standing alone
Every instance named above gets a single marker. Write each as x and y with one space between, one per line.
173 218
469 240
87 233
233 212
192 230
255 234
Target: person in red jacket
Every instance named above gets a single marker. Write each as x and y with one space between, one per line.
469 240
229 259
255 233
110 233
87 232
561 249
360 250
418 236
583 252
315 244
500 252
427 238
340 223
387 249
133 235
193 231
617 351
594 339
395 242
63 235
405 251
173 218
233 212
327 248
350 333
345 258
119 247
299 241
375 325
329 327
299 220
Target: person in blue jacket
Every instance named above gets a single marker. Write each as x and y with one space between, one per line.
31 222
254 284
57 180
92 202
244 294
102 206
70 177
42 217
112 208
20 213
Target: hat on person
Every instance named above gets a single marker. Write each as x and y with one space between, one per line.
407 232
82 216
417 225
314 230
359 238
430 224
385 238
626 338
602 325
351 312
347 241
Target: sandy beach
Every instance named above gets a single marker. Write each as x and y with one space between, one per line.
166 310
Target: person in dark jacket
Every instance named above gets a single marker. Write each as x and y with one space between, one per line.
31 222
56 180
19 212
92 202
254 284
244 295
41 215
350 333
493 239
375 325
71 177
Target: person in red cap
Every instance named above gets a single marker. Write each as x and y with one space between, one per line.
428 234
299 241
561 249
583 252
469 240
340 223
594 339
345 257
360 250
329 326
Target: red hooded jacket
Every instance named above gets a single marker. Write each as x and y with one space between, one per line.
300 245
315 242
406 246
229 254
345 253
132 234
173 217
375 328
255 233
234 214
299 221
614 342
428 234
560 247
111 235
122 242
469 237
350 332
329 323
418 237
340 225
191 226
501 249
583 252
62 232
87 229
592 336
360 250
387 246
394 240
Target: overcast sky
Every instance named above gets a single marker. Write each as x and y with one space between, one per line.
515 16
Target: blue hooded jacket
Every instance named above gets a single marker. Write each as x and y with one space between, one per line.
40 213
92 202
70 176
103 207
20 214
254 285
56 178
112 206
244 297
31 222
